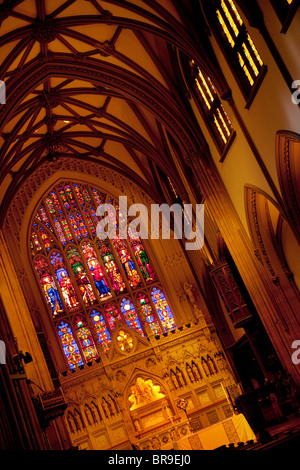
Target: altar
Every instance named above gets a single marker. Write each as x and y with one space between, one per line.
230 431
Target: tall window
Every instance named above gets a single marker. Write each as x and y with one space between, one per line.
238 45
212 109
90 284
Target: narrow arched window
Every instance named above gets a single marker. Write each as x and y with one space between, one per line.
241 52
163 309
69 345
85 339
90 284
212 110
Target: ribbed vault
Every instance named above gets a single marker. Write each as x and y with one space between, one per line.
92 79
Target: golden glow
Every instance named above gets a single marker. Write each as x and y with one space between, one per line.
208 94
223 121
225 29
230 19
143 392
125 341
254 50
251 61
235 21
236 12
244 67
220 130
202 94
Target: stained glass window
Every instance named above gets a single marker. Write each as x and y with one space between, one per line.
163 309
35 243
86 340
112 314
130 315
148 313
81 277
64 281
91 285
101 329
238 44
69 344
211 107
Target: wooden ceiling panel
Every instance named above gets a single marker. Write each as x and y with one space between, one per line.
90 78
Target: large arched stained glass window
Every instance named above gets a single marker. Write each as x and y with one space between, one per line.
90 284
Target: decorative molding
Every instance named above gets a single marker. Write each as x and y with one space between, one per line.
34 181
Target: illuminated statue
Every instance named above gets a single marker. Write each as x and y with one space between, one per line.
143 392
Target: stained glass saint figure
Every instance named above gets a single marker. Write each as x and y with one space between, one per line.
51 294
96 270
81 277
64 280
129 267
143 262
163 309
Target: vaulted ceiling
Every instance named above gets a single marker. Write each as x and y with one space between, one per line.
92 79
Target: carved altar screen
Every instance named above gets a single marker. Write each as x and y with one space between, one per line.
90 283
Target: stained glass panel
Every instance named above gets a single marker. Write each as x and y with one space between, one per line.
162 308
70 196
130 315
63 278
50 205
56 202
63 197
48 285
79 195
244 49
101 330
43 216
212 108
91 225
96 270
69 345
143 261
47 240
35 243
86 340
81 277
127 263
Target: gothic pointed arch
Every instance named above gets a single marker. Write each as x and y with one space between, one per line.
272 245
288 168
